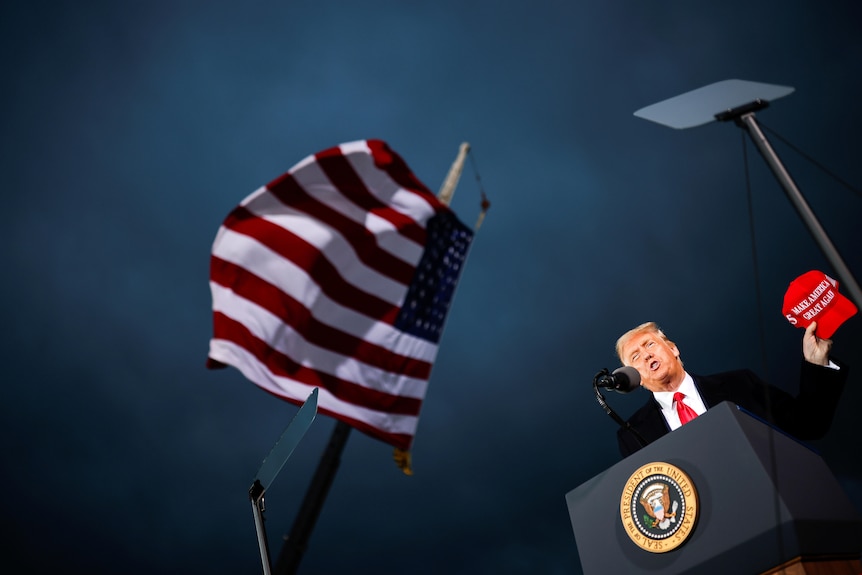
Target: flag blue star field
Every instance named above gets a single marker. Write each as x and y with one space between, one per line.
339 275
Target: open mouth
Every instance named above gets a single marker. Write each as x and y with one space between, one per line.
654 365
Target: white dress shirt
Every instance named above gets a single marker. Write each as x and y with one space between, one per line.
692 399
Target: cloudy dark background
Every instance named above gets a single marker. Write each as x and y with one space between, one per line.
130 130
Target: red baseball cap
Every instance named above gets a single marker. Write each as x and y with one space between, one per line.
814 296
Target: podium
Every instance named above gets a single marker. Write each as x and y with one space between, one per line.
764 503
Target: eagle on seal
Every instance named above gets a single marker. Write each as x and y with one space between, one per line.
656 502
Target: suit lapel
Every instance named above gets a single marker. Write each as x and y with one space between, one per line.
711 391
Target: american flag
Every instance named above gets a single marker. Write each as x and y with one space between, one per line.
339 275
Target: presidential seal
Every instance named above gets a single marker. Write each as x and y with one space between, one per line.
658 507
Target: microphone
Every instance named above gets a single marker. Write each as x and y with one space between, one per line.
623 380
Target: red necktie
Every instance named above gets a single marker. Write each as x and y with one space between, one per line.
686 413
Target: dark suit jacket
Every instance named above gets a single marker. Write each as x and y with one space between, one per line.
806 416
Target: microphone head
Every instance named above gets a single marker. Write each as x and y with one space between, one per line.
628 379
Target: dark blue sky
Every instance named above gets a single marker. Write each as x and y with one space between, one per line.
131 129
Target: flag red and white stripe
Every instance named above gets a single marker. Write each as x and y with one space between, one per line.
339 275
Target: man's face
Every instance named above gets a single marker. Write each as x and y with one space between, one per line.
656 360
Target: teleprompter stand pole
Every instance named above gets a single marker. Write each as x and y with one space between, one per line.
296 543
271 467
256 493
746 120
737 101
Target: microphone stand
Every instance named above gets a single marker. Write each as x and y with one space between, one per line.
601 399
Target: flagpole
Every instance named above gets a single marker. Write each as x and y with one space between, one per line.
296 543
447 190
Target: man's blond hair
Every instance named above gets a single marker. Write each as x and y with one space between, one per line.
648 327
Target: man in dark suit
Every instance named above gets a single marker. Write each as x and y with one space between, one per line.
675 394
